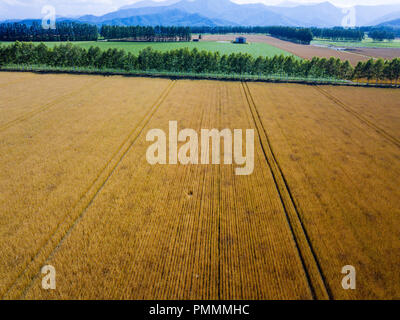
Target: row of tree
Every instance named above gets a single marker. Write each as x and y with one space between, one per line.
71 31
194 61
229 29
381 35
300 35
64 31
149 34
339 33
378 69
182 60
395 31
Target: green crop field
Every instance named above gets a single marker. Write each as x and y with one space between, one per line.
366 43
254 49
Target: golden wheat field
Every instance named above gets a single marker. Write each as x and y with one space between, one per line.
77 192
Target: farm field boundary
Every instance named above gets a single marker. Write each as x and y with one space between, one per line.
200 76
366 43
384 53
255 49
78 192
300 50
27 276
381 131
339 171
185 232
311 265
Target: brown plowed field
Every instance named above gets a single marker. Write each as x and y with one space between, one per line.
385 53
302 51
77 193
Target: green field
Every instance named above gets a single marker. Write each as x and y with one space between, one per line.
366 43
254 49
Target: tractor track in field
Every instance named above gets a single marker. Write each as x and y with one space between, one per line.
364 120
315 277
47 106
25 279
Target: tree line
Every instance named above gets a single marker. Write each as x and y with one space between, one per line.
390 30
381 35
229 29
149 34
65 31
338 33
378 70
72 31
300 35
194 61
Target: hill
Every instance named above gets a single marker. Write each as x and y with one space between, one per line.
316 15
393 24
149 3
226 12
173 17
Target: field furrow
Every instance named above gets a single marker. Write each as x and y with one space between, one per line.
379 107
372 125
343 176
77 190
175 231
52 163
303 244
252 209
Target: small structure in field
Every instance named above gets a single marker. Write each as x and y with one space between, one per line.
196 40
240 40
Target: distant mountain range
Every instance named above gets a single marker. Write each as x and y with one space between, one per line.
393 24
149 3
228 13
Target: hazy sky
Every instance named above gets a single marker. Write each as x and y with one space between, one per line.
32 8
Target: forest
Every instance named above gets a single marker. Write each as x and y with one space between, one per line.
64 31
381 35
147 34
338 33
298 35
387 30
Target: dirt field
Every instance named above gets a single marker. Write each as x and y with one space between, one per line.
302 51
385 53
77 193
